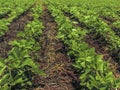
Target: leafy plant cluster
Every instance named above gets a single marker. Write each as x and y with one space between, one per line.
13 9
108 8
103 13
17 70
95 73
116 25
96 24
90 19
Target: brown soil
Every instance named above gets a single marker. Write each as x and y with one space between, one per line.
16 26
60 74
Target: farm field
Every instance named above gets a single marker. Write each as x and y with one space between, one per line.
59 45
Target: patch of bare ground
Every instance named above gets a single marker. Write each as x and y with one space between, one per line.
60 74
16 26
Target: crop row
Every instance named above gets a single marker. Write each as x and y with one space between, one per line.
12 10
95 24
17 70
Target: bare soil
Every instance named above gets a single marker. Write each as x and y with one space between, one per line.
56 64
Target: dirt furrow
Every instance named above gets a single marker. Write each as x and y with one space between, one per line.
56 64
16 26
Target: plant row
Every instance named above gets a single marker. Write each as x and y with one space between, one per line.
12 9
95 24
108 8
16 71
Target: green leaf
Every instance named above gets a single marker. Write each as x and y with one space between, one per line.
18 80
2 64
2 69
4 79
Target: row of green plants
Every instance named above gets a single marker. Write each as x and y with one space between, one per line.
12 9
16 71
11 5
5 7
116 27
108 8
106 13
95 73
103 10
95 24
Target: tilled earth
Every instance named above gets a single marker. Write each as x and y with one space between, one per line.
54 61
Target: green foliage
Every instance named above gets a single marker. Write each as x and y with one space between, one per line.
37 11
90 17
11 10
33 29
17 70
95 73
92 20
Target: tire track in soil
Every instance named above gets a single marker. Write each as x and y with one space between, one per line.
16 26
56 64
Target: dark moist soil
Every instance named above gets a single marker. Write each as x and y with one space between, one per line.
16 26
60 74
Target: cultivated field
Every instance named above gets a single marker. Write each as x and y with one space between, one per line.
59 45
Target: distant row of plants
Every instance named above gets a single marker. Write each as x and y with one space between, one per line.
12 9
95 24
